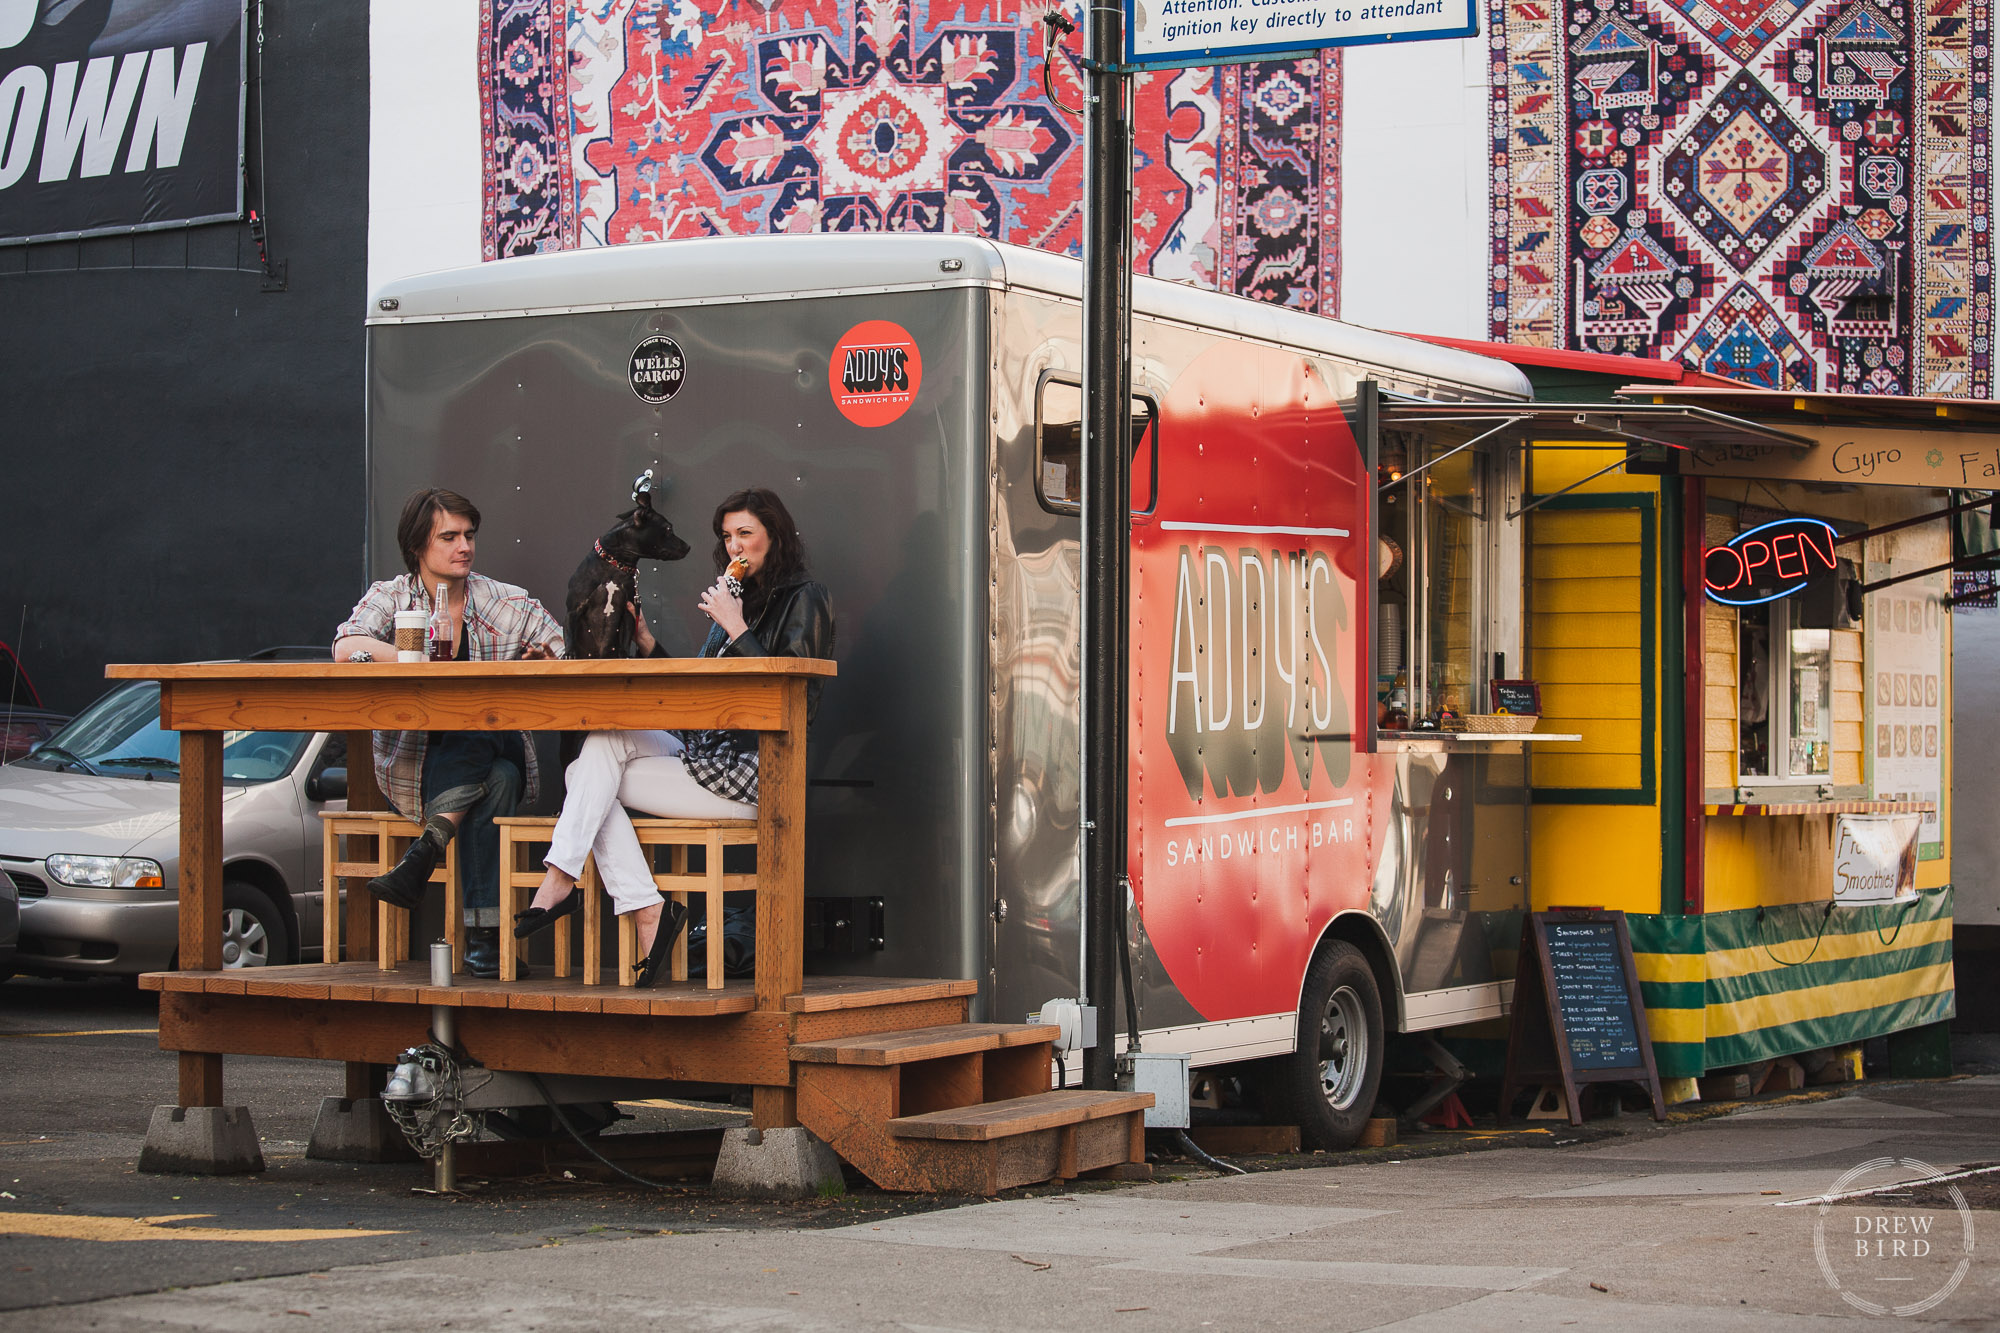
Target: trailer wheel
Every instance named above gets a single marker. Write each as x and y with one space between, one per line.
1327 1087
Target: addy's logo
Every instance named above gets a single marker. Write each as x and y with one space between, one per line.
1254 685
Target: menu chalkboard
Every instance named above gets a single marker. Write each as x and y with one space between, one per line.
1517 696
1590 994
1577 1015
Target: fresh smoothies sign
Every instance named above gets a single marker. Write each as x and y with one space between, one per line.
119 117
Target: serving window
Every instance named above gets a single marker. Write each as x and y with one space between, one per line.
1059 446
1442 615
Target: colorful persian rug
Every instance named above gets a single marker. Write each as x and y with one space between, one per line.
1792 193
610 121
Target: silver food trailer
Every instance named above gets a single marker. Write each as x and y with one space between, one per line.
1299 569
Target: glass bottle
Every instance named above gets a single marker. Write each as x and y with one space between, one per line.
442 641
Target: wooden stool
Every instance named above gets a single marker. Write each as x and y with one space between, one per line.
519 833
680 884
392 836
518 878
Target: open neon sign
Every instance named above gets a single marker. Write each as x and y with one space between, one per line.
1769 561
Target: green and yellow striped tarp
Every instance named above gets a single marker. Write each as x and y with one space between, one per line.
1732 988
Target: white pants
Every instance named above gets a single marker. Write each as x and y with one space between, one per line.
640 769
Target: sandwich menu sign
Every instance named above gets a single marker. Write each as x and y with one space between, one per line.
119 115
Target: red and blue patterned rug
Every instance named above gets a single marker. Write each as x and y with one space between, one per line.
611 121
1792 193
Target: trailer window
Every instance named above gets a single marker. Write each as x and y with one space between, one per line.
1059 447
1434 636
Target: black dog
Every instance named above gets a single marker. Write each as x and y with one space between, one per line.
608 578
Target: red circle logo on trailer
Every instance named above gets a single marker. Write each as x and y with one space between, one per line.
875 373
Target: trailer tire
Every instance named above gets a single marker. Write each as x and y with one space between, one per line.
1327 1086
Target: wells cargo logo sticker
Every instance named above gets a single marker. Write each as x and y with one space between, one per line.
658 369
875 373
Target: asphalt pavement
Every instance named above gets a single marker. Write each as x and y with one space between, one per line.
1723 1222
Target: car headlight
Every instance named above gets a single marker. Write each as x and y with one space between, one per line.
106 872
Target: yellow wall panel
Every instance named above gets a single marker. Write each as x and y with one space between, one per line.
1847 770
1571 630
1719 733
1556 468
1587 596
1847 677
1720 668
1583 561
1759 860
1603 527
1718 768
1601 735
1587 666
1575 700
1847 646
1719 700
1597 856
1587 770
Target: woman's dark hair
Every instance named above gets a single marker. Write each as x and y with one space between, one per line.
413 529
788 551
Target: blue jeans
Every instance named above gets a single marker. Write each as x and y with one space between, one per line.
479 773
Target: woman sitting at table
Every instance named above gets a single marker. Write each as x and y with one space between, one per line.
779 612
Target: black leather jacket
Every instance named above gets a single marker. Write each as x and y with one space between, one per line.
795 620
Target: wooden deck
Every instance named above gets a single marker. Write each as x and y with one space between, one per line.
410 983
361 1016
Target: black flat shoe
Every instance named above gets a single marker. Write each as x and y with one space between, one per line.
541 918
672 917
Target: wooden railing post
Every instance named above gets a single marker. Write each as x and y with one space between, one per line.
781 837
199 889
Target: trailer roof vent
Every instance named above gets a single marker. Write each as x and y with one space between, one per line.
950 265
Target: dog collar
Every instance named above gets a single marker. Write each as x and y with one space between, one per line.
603 554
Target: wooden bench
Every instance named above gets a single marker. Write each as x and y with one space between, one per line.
392 835
519 876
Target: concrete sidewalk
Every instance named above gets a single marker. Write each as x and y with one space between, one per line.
1669 1229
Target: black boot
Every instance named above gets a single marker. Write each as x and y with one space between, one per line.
482 953
404 885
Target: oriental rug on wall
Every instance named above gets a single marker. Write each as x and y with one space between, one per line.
1792 193
612 121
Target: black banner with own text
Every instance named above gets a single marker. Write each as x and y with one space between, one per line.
119 115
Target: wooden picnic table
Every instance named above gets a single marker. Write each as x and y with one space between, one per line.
767 695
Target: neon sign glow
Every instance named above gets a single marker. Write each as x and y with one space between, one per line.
1770 561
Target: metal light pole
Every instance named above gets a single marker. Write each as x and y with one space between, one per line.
1107 510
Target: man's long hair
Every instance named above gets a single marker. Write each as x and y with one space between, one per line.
420 511
787 559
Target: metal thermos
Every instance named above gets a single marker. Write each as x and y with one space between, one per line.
441 963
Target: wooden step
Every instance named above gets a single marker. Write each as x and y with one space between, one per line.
1020 1115
913 1044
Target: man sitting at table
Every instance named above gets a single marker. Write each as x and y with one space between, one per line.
451 780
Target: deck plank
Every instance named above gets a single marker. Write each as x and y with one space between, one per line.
824 993
1019 1115
931 1043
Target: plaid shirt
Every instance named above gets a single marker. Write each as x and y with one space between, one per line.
723 762
500 621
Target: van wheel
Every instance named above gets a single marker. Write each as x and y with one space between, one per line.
253 930
1327 1087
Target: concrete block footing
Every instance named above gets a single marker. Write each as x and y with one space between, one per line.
201 1141
357 1130
775 1164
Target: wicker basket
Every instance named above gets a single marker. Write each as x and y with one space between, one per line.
1503 724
